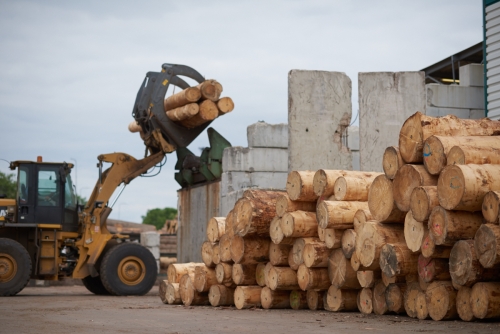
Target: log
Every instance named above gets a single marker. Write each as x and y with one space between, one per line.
398 260
283 278
229 228
340 271
321 233
372 237
275 231
216 228
392 280
210 90
316 255
368 278
313 278
189 295
353 188
274 299
422 201
465 268
464 305
134 127
244 274
357 266
207 112
441 300
254 215
204 278
267 270
184 112
361 217
391 161
471 154
315 299
463 187
260 278
430 250
291 261
379 303
364 300
410 297
284 204
324 181
485 299
298 249
249 250
487 245
418 127
173 294
278 254
423 285
162 291
394 297
298 300
348 242
225 105
247 296
299 186
299 224
216 254
414 232
207 254
341 299
176 270
447 227
408 178
491 207
225 248
437 148
224 274
433 269
338 215
186 96
220 295
381 201
333 238
421 306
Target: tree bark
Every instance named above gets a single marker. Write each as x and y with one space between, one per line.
284 204
441 300
184 112
391 161
299 186
338 215
340 271
299 224
485 299
408 178
229 228
487 245
414 232
471 154
447 227
274 299
313 278
278 254
254 215
381 201
244 274
247 296
216 228
220 295
491 207
249 250
186 96
207 112
162 291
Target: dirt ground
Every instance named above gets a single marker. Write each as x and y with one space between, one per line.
66 309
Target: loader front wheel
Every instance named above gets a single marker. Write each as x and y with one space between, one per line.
94 285
15 267
128 269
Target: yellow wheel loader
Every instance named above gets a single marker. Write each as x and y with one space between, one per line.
45 234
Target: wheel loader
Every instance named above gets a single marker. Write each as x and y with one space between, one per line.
45 234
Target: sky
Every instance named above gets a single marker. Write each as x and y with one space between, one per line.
70 70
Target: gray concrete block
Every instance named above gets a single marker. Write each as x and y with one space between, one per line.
262 134
150 239
477 114
233 181
355 160
439 112
257 159
453 96
319 112
155 250
471 75
386 100
353 138
228 201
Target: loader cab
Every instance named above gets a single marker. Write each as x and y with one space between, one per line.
45 194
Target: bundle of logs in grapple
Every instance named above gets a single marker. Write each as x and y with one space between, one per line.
422 238
195 106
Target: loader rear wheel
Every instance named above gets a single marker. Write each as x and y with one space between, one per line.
128 269
15 267
94 285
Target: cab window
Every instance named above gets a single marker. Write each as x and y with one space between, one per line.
48 187
22 190
69 194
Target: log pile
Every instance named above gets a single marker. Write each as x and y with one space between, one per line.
417 240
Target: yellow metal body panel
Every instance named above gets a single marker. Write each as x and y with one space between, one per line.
50 226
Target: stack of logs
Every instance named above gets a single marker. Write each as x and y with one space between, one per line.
410 240
195 106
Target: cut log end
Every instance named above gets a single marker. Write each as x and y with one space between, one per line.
491 207
464 306
487 245
391 161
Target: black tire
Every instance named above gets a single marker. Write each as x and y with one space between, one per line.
128 269
94 285
15 267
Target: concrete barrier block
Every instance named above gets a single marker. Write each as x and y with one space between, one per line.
150 239
453 96
262 134
477 114
228 201
439 112
257 159
233 181
471 75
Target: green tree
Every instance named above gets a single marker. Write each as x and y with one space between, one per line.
81 200
8 185
157 217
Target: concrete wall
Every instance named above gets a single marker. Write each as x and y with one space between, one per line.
319 111
386 100
196 205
